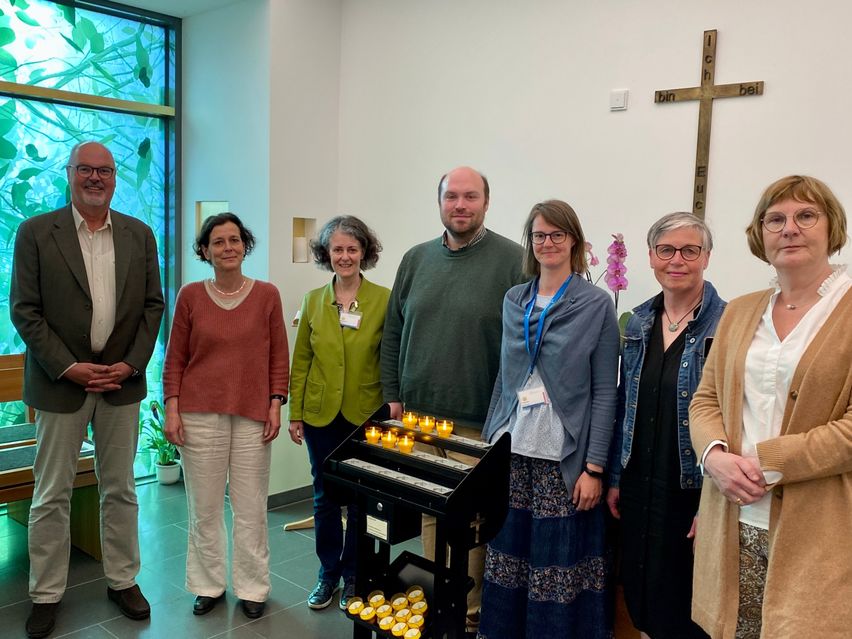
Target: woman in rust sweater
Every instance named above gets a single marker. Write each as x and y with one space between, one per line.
224 380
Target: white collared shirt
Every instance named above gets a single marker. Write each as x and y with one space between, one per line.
99 258
769 368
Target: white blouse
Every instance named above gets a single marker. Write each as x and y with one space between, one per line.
769 368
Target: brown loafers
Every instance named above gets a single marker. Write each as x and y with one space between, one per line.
131 602
42 619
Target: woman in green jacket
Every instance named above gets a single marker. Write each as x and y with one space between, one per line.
334 382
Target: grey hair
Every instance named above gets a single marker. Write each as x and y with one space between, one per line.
350 225
680 220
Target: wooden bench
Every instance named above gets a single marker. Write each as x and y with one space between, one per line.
17 454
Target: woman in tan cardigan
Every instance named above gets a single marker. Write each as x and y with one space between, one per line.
772 420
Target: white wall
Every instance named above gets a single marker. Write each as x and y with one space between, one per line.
226 56
521 91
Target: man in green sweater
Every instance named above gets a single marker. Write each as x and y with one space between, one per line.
441 342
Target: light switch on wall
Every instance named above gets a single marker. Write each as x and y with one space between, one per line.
618 99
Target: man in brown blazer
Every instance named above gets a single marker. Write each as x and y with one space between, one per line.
87 301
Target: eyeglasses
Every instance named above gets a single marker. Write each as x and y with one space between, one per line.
557 237
84 170
689 252
804 219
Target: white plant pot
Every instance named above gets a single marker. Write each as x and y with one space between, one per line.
168 474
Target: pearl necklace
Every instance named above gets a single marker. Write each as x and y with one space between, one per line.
221 292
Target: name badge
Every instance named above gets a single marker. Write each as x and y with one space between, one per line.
350 319
532 397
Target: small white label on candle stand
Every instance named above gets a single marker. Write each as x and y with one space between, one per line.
377 527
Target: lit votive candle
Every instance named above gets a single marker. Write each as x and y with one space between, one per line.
405 444
409 418
427 423
383 611
419 608
412 633
415 621
373 434
445 428
399 601
399 628
386 623
389 440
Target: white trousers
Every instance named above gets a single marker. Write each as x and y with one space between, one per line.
59 437
220 449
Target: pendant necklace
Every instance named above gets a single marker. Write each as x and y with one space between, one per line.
242 286
674 326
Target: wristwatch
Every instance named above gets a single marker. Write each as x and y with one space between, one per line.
597 474
280 398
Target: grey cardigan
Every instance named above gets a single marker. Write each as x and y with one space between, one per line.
578 364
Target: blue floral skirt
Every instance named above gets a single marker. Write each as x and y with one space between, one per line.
546 570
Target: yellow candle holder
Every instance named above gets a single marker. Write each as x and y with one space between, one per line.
412 633
445 428
402 615
386 623
376 598
383 611
426 423
399 601
389 439
409 418
415 621
373 434
399 628
356 605
419 608
405 445
368 614
414 594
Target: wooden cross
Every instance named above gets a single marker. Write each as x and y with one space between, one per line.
706 94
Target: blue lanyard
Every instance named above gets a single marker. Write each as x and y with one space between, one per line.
540 328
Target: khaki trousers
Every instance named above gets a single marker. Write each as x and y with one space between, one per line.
220 449
59 437
476 556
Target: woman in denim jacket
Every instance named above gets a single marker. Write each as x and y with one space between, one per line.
654 474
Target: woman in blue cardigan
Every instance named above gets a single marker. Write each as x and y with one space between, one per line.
334 383
545 572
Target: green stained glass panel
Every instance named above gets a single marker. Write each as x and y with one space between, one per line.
52 45
34 147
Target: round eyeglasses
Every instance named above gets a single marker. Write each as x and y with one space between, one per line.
84 170
804 219
557 237
689 252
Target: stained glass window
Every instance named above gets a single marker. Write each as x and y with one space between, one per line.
86 60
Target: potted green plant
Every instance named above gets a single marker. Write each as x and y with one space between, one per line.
154 438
